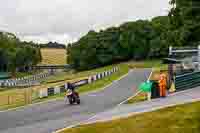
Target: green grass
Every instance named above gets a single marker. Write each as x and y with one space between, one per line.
11 106
4 92
132 64
83 89
12 98
139 98
23 74
105 81
178 119
157 66
95 85
147 64
73 75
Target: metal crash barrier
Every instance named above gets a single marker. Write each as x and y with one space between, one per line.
59 89
187 81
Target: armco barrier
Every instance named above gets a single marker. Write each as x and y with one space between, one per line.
62 89
55 90
90 79
99 76
187 81
43 93
24 81
80 83
94 77
50 91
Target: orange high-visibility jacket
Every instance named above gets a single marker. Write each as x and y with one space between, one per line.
163 80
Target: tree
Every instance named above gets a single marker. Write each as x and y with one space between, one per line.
16 55
184 18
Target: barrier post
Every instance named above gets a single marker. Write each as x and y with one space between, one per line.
170 50
90 80
56 90
95 77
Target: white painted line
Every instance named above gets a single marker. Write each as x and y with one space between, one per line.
130 114
150 74
136 92
135 113
99 90
82 123
51 100
28 105
124 100
92 117
63 129
129 98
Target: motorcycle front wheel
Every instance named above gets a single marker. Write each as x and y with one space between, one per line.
78 101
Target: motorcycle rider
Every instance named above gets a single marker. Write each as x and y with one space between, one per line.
71 87
72 92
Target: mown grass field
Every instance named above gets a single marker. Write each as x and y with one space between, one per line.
178 119
53 56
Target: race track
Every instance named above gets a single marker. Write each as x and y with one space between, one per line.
48 117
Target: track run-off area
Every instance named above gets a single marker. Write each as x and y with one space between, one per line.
53 115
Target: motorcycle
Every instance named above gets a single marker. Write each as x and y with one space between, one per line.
73 97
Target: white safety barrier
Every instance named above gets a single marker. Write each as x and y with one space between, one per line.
95 77
43 93
89 80
56 90
24 81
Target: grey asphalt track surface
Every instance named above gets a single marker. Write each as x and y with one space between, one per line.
126 110
48 117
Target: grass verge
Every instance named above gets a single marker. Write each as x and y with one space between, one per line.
63 76
138 98
178 119
155 76
83 89
95 85
147 64
90 87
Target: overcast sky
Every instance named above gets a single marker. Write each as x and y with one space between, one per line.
67 20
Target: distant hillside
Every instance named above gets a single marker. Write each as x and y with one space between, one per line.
53 45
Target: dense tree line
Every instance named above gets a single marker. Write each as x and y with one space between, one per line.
132 40
16 55
185 22
139 40
52 45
